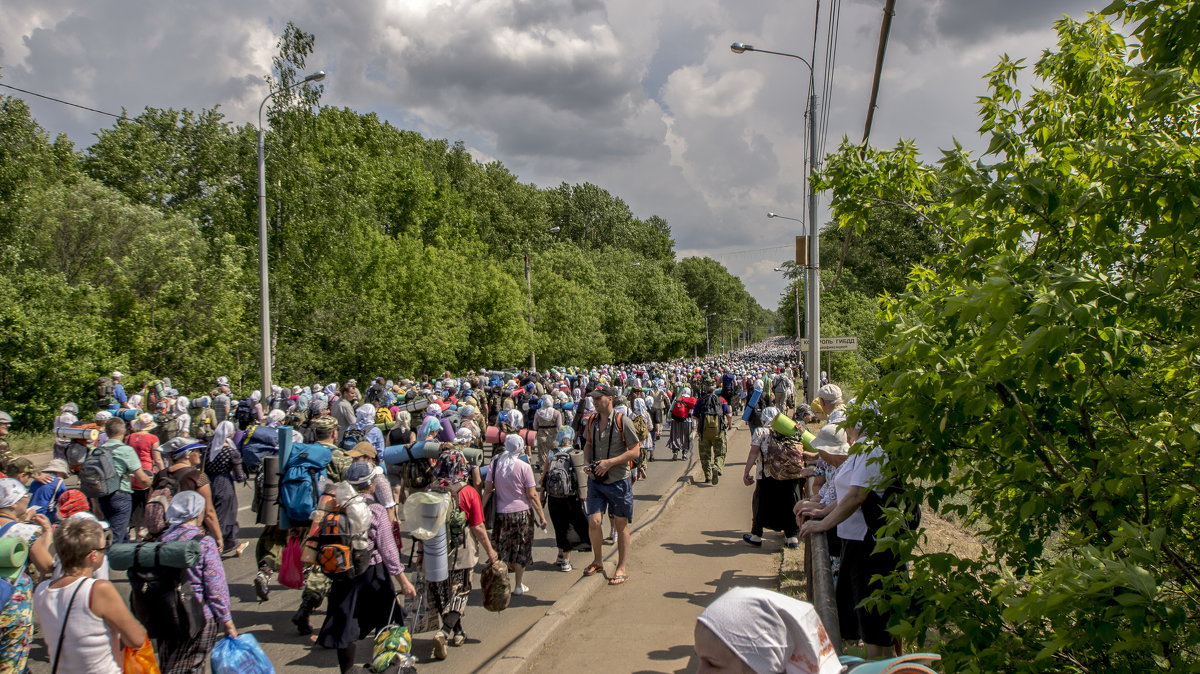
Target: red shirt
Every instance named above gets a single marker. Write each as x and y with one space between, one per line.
471 505
142 443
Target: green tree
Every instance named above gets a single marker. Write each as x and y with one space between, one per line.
1040 376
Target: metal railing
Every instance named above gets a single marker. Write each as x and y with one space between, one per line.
819 580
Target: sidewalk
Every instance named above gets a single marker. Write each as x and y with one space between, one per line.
692 555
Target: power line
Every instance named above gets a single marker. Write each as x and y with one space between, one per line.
59 100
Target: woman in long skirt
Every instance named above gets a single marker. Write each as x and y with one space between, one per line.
359 605
224 467
774 499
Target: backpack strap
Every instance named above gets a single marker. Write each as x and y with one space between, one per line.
4 529
63 632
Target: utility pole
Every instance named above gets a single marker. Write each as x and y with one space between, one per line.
813 360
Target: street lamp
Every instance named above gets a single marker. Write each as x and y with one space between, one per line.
800 279
263 283
707 339
776 215
812 313
529 305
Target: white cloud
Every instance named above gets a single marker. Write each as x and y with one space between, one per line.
643 98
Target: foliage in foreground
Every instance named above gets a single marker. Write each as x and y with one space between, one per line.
1046 362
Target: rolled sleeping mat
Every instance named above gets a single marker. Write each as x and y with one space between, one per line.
414 406
175 554
493 435
13 553
806 437
284 454
529 436
784 425
435 563
127 415
580 465
88 435
397 454
751 403
268 498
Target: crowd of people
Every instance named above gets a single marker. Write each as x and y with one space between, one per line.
510 451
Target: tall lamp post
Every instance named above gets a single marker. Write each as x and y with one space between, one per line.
812 313
264 289
707 338
529 306
796 297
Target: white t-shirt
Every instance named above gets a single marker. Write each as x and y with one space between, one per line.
759 439
859 470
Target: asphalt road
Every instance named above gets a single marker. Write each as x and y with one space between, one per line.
488 634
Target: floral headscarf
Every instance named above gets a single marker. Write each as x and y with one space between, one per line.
451 468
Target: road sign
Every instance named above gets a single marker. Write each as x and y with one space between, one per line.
833 344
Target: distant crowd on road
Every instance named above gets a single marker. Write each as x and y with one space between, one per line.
461 468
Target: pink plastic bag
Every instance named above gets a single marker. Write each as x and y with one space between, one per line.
291 572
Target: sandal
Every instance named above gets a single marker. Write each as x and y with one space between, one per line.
593 569
618 579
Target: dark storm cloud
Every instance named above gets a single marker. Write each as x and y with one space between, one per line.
962 22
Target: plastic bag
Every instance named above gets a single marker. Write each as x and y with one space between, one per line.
291 572
141 660
242 655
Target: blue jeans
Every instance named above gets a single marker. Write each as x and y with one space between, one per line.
615 498
117 507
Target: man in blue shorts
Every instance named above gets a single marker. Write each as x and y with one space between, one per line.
610 444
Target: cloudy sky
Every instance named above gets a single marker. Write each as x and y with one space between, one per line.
642 97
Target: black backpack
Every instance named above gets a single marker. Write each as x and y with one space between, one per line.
560 479
105 388
244 414
162 599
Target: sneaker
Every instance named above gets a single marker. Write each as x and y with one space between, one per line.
458 639
674 456
566 566
756 541
439 645
520 589
792 542
262 586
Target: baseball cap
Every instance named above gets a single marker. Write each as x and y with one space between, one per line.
602 390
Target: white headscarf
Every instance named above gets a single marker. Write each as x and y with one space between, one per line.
546 411
275 418
503 466
771 632
364 417
639 406
181 406
11 491
185 507
223 435
255 396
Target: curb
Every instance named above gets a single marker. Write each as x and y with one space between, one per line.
518 654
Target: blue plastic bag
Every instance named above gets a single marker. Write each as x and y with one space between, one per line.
242 655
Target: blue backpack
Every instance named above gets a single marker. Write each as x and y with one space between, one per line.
298 491
259 441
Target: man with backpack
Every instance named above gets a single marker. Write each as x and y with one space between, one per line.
106 476
610 444
713 417
221 400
